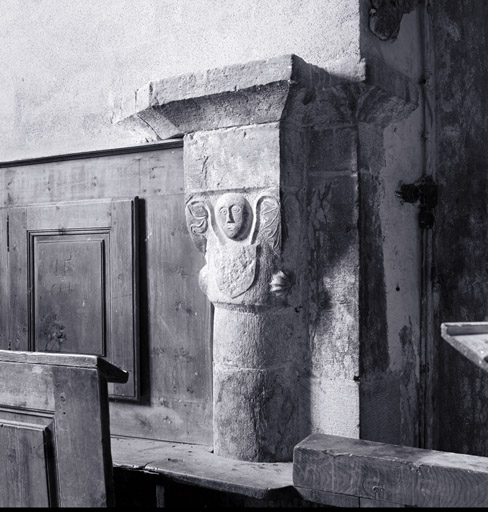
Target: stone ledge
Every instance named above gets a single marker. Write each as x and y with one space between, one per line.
261 92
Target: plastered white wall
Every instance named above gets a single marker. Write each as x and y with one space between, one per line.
64 61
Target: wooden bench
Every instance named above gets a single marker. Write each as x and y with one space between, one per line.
54 430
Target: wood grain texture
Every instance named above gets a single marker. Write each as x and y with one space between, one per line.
194 464
4 295
470 339
176 333
174 315
390 474
67 299
109 371
55 438
18 310
79 281
124 176
124 321
25 471
327 498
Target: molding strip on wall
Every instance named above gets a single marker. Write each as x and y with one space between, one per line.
167 144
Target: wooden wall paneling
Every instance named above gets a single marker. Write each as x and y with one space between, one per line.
175 316
124 295
18 311
74 268
184 310
179 333
4 295
181 347
68 298
117 176
72 215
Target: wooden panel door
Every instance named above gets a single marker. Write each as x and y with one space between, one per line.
72 282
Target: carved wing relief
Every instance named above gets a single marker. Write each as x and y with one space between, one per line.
268 221
197 215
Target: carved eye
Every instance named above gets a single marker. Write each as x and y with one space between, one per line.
223 211
237 209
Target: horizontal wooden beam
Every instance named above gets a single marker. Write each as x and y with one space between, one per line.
339 469
96 153
109 371
196 465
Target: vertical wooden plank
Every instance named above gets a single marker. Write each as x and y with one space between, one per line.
4 292
180 309
82 437
124 308
18 310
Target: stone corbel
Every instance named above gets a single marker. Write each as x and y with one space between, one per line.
385 17
246 157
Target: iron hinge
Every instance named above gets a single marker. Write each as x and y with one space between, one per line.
423 192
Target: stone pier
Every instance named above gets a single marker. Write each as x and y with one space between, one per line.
267 221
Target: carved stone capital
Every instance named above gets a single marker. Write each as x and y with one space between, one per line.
241 236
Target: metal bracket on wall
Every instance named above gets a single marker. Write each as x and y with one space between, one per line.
423 192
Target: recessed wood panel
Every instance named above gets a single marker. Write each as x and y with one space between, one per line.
26 474
68 298
72 278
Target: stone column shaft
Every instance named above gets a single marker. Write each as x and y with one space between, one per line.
257 334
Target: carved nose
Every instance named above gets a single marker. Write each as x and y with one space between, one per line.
230 218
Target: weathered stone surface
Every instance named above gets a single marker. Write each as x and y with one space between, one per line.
334 276
234 158
385 17
276 232
282 88
333 149
270 340
255 413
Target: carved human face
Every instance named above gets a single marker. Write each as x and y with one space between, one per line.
233 213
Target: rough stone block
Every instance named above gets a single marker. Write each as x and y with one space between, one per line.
234 158
334 405
333 149
334 275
